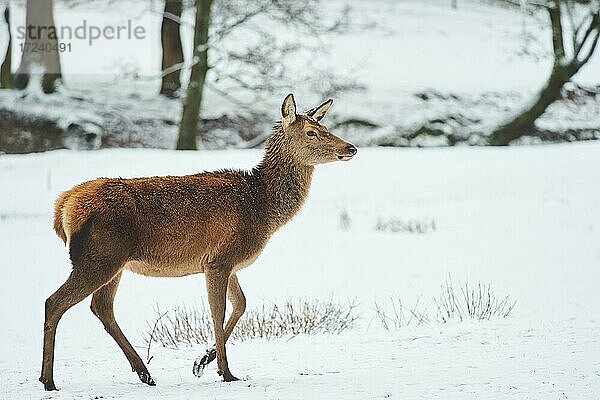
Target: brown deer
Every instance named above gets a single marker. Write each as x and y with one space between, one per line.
213 223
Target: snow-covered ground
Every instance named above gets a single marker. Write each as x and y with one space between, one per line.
524 219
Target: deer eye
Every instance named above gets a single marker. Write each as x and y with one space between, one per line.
311 133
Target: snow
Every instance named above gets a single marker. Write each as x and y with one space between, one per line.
524 219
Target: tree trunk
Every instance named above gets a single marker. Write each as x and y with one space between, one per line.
563 70
5 69
43 37
172 56
193 98
524 122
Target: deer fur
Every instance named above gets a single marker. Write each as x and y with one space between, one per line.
213 223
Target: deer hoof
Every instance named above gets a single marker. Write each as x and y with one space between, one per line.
48 384
228 377
202 361
146 378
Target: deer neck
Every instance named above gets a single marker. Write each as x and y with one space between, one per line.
283 181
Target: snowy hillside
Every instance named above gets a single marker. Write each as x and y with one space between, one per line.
422 62
524 219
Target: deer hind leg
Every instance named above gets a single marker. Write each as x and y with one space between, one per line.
102 307
80 284
216 285
238 302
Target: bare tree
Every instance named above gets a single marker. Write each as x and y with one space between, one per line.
246 71
262 66
571 52
195 89
172 56
41 34
5 69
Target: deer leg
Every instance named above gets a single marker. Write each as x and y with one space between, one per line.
216 285
238 302
80 284
102 307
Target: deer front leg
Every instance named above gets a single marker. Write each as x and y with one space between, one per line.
238 301
216 285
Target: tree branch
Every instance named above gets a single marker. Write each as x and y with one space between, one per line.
575 29
557 31
594 25
593 45
226 95
221 33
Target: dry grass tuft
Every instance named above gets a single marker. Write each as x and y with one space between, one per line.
400 315
474 302
478 302
193 325
395 225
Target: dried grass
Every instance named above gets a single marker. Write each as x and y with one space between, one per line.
185 326
412 225
464 302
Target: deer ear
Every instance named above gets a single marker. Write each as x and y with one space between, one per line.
288 110
319 111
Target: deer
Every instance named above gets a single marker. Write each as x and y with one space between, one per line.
214 223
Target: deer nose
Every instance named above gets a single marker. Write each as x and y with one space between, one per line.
352 149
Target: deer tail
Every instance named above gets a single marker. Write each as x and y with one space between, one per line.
59 218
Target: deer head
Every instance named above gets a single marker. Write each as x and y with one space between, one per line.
311 142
